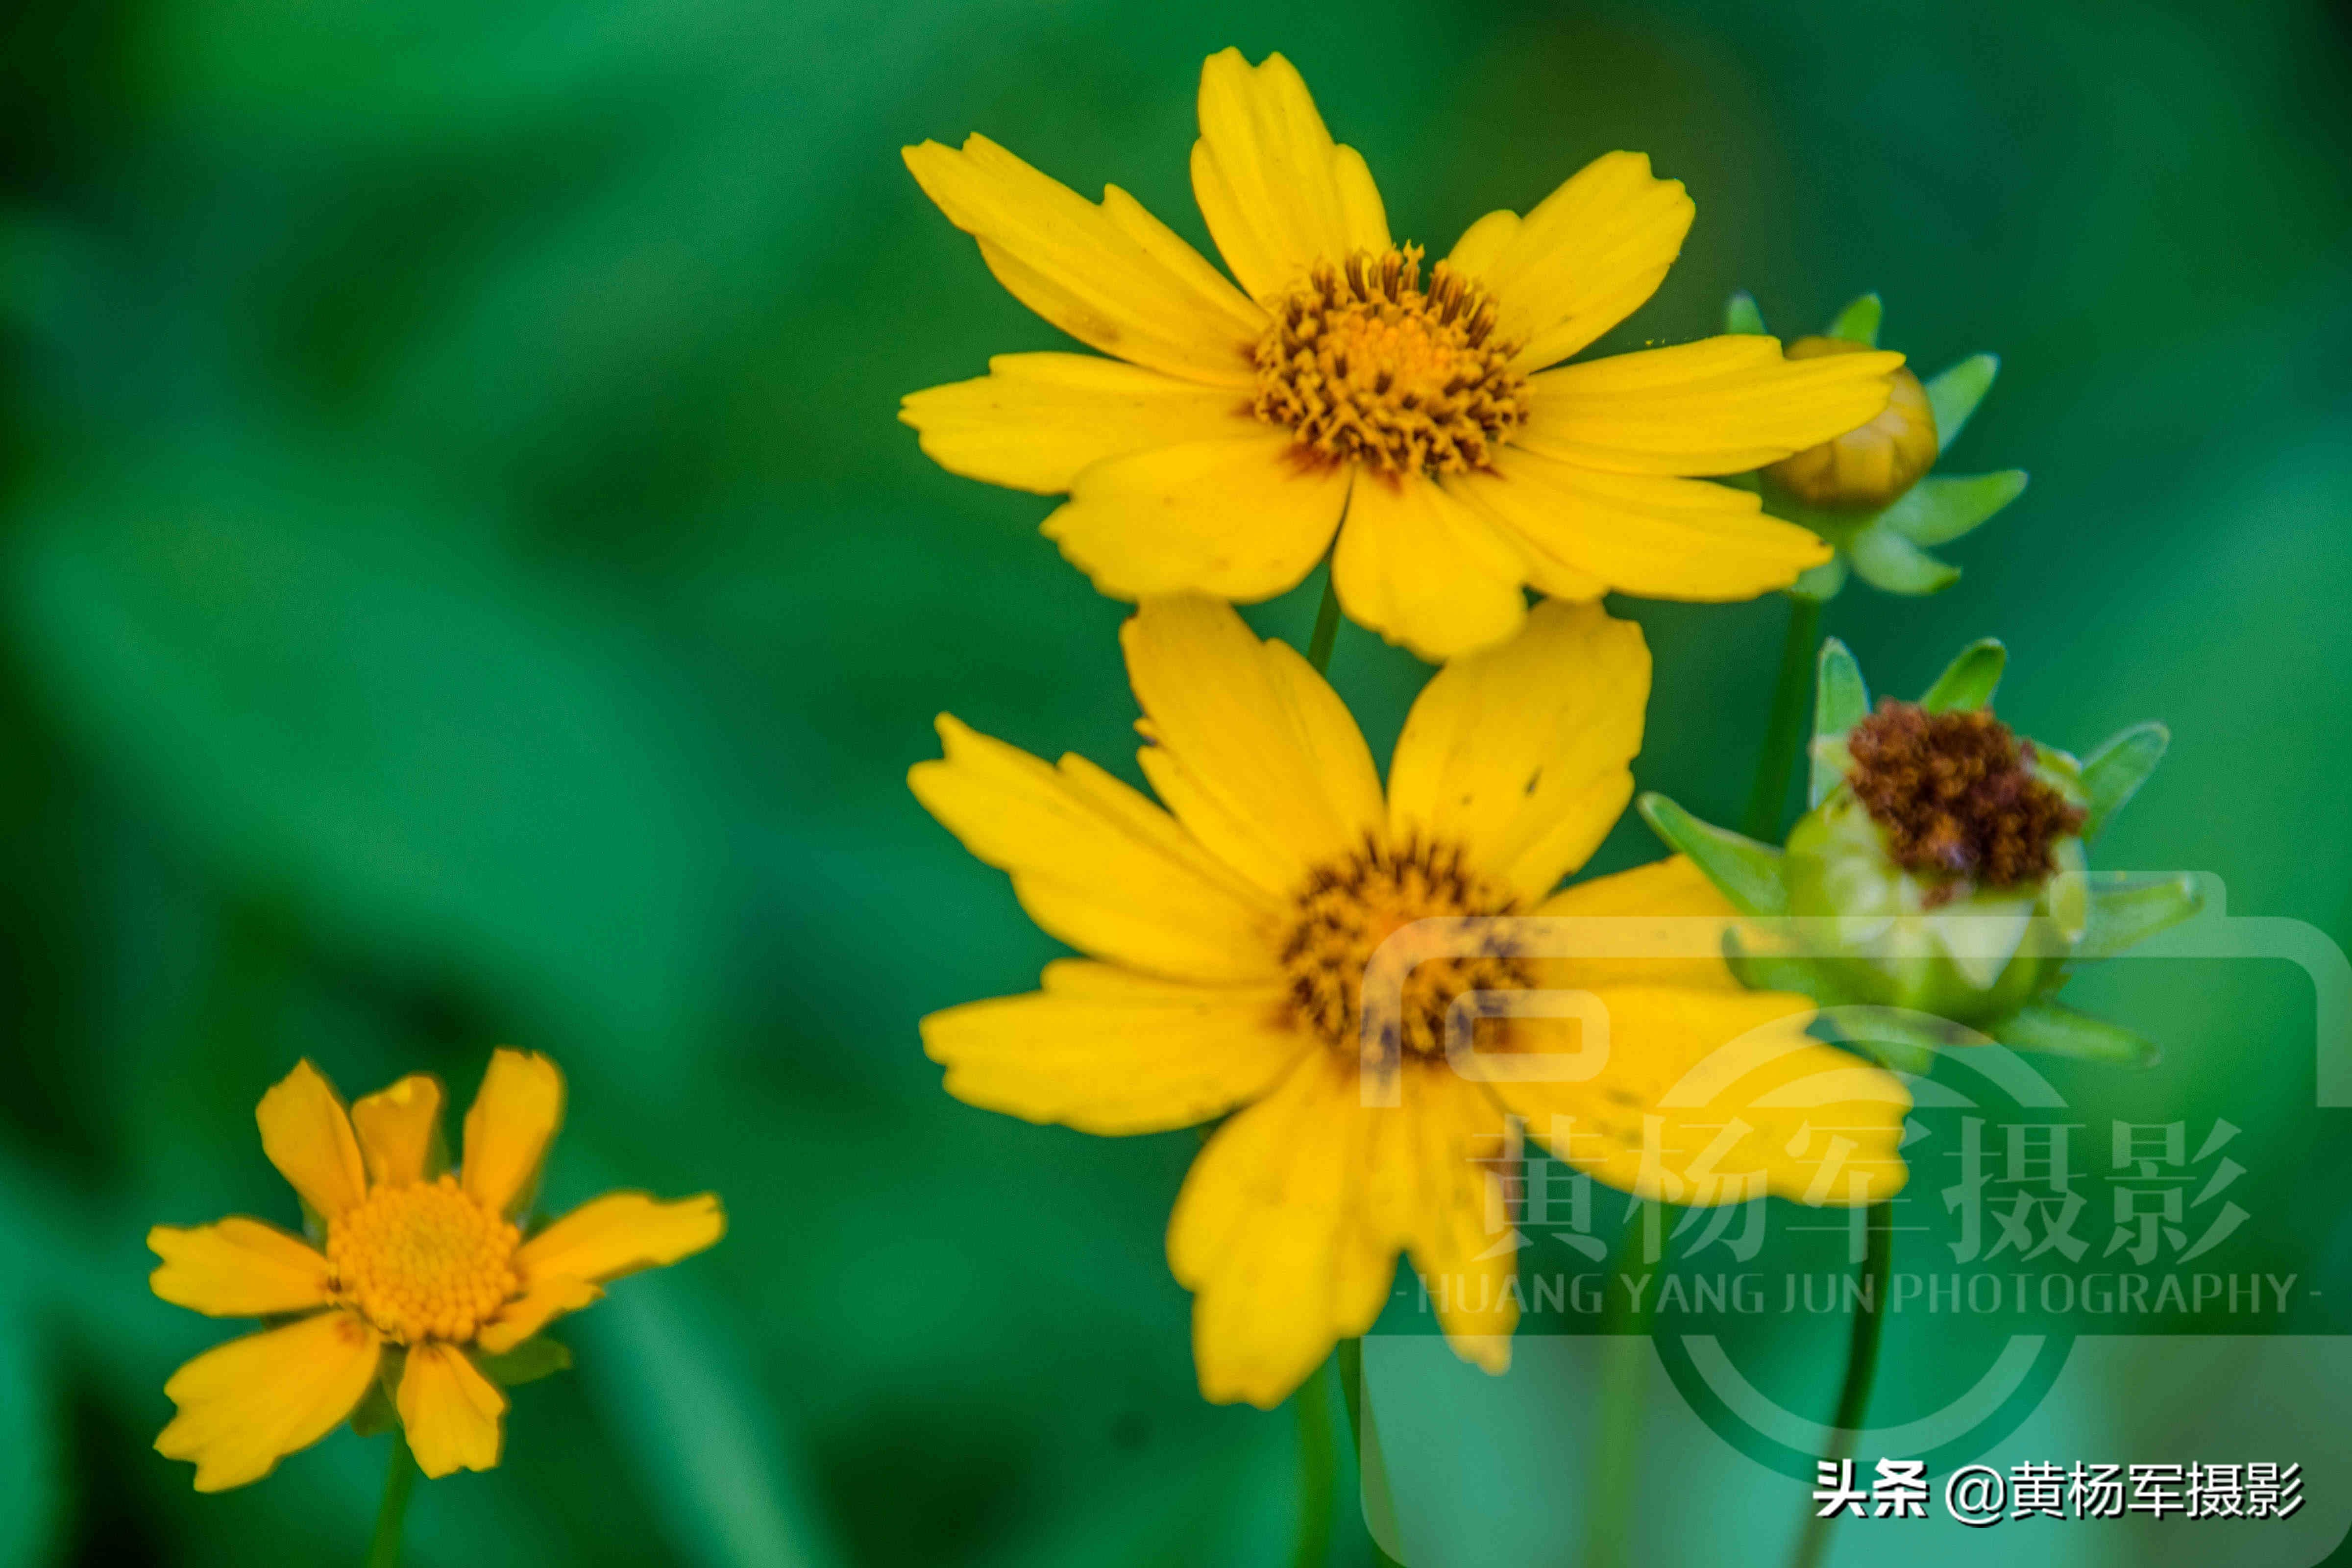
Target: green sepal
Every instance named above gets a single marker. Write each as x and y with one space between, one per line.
1820 584
1886 560
528 1362
1939 511
1901 1039
2125 910
2062 1031
377 1412
1743 871
1841 700
1858 322
2113 773
1742 316
1969 680
1954 394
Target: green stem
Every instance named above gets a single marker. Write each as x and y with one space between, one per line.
1349 1359
1861 1369
399 1480
1326 626
1784 733
1318 1461
1624 1373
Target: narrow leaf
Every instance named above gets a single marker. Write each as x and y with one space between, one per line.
1743 871
1858 322
1742 316
1969 680
1954 394
1841 700
2113 773
2062 1031
2127 910
1939 511
1820 584
1885 560
528 1362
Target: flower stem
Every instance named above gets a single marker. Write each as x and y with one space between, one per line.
1318 1460
399 1480
1625 1370
1784 733
1861 1369
1326 626
1349 1358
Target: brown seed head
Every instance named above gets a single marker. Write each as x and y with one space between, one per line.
1954 797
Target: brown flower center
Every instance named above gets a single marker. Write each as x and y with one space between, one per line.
1348 908
1365 365
1955 796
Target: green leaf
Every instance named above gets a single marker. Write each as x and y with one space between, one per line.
1858 322
2062 1031
1888 561
2113 773
1820 584
1969 680
528 1362
1954 394
1742 316
1841 700
2125 910
1743 871
1937 510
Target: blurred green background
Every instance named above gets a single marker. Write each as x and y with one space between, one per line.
463 582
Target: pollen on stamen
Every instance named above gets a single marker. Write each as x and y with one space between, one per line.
1348 908
1364 364
424 1261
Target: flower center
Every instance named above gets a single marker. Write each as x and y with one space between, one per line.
1955 794
1364 365
424 1261
1348 908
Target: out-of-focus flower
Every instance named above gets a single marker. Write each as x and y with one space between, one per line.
1868 492
1941 872
1228 937
1340 379
416 1284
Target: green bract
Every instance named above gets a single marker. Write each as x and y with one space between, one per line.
1945 965
1886 546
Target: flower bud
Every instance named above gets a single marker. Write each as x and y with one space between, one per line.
1871 464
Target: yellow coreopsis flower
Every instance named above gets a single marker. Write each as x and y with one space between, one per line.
1227 937
1219 451
421 1272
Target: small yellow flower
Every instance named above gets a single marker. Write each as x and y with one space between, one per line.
1226 940
421 1271
1340 379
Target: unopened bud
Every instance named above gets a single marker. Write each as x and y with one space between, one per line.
1873 464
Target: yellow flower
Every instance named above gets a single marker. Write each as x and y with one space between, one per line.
1338 379
1227 937
423 1271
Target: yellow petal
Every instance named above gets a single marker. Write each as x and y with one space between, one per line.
622 1233
1273 1235
1241 519
309 1137
1584 260
1453 1148
449 1411
1096 864
237 1269
513 1120
1711 1096
397 1127
1278 194
1112 276
1657 537
1034 421
1667 910
1251 750
1521 753
246 1405
1107 1051
1422 569
1720 407
544 1298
